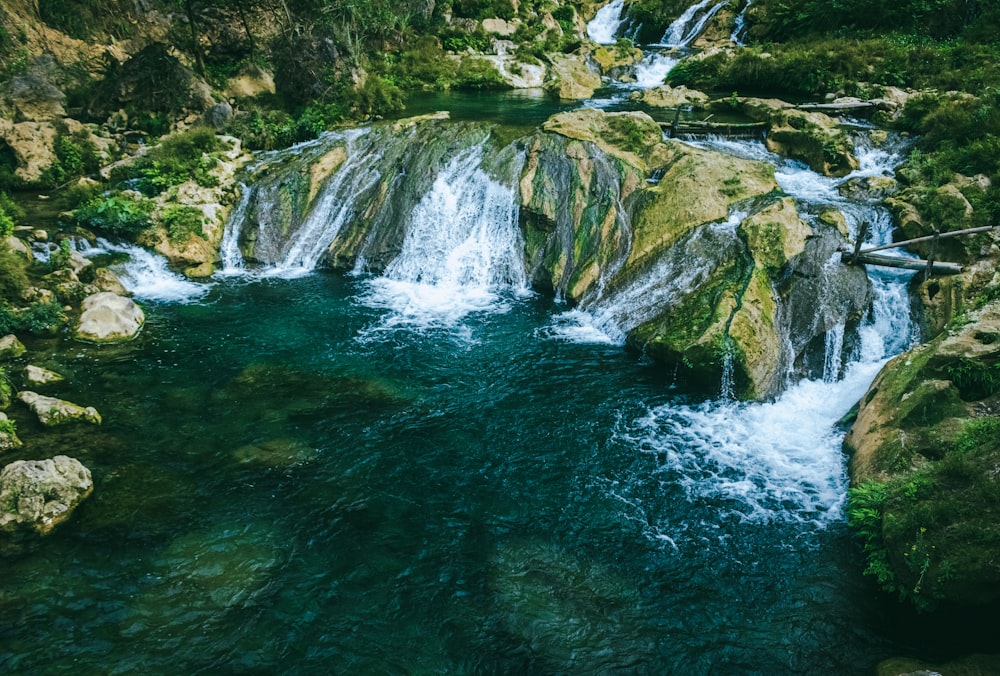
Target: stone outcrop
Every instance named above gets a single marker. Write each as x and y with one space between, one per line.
53 412
571 77
925 435
666 96
38 495
109 318
11 347
811 137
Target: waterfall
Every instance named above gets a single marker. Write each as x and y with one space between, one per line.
229 248
691 23
739 34
462 250
333 207
603 28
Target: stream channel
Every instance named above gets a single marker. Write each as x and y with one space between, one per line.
435 472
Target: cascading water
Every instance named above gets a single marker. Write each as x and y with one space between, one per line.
334 206
462 250
147 276
739 34
229 248
759 462
691 23
603 28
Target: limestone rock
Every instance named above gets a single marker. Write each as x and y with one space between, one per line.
108 318
52 412
33 147
105 280
250 81
36 375
11 347
39 495
218 116
34 98
571 78
926 431
499 27
666 96
17 245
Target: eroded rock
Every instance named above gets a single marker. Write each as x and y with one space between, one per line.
38 495
52 412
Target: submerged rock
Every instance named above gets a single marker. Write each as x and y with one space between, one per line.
36 375
109 318
38 495
52 412
275 453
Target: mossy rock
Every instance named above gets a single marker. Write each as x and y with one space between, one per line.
925 436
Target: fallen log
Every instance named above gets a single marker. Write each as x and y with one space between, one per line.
936 267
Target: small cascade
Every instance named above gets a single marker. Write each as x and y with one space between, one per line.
462 250
229 248
147 276
653 69
739 34
333 207
608 317
833 353
689 25
727 391
603 28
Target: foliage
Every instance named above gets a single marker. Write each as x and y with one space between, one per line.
178 158
36 318
782 20
60 257
484 9
10 214
75 155
974 378
479 74
89 18
865 505
182 221
378 96
118 214
7 426
13 274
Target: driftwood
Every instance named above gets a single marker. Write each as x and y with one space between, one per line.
720 128
935 267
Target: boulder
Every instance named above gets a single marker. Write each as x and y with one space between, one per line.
36 375
814 138
38 495
34 99
105 280
33 147
52 412
924 459
250 81
500 27
571 77
11 347
666 96
109 318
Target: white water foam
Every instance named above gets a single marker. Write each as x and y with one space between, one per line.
462 252
229 249
148 277
603 28
653 69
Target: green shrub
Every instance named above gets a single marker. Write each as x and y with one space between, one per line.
117 214
178 158
36 318
182 221
10 213
479 74
13 274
